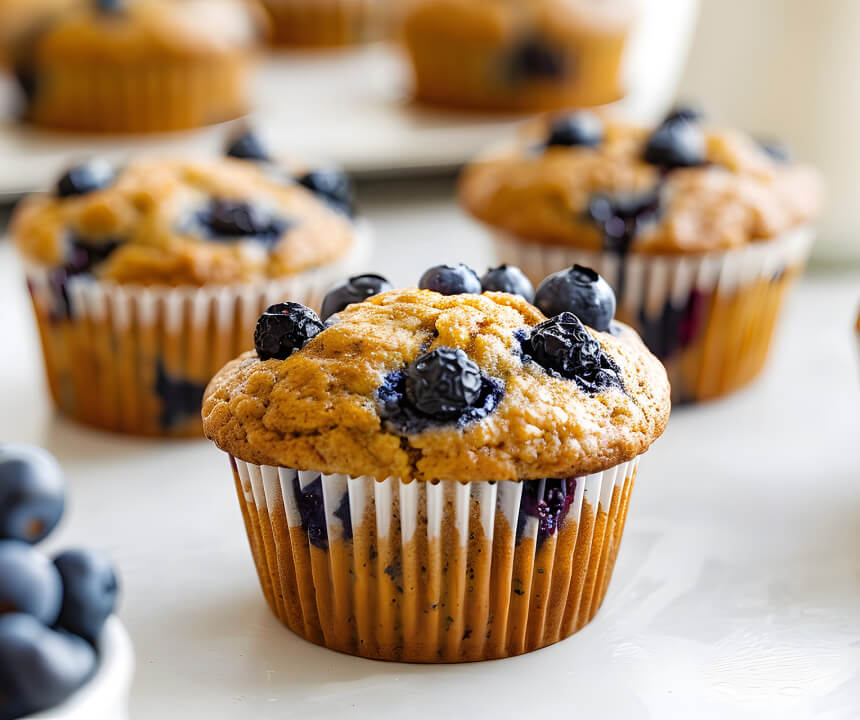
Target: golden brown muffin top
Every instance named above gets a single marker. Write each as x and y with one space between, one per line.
739 193
334 406
139 28
169 223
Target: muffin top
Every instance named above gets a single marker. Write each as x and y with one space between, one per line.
600 184
182 222
417 384
125 30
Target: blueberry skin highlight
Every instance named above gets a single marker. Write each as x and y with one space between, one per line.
582 129
508 279
32 493
333 186
677 143
284 328
451 280
581 291
39 667
29 582
86 178
247 146
90 591
356 289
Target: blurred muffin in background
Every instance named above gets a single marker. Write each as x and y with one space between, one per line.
19 16
515 56
700 232
146 280
330 23
138 65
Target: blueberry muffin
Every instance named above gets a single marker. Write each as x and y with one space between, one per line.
147 279
700 231
311 23
515 56
438 474
139 66
18 17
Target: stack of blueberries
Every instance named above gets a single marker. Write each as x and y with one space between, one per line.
52 610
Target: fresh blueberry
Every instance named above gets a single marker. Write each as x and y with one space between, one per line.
355 290
581 291
564 346
333 186
678 142
247 146
39 667
284 328
443 383
688 113
534 57
29 583
508 279
89 592
579 128
776 150
32 493
448 280
86 178
231 220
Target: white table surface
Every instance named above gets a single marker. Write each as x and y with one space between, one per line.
737 593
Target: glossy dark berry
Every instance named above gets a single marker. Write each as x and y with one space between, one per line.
778 151
564 346
355 290
89 592
575 129
550 507
451 280
676 143
311 505
535 58
32 493
232 220
87 178
675 327
689 113
621 217
29 583
247 146
581 291
333 186
110 6
181 398
508 279
39 667
443 383
284 328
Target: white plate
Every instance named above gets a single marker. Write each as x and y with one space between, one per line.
351 107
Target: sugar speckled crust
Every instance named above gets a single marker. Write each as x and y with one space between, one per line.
149 207
740 196
317 410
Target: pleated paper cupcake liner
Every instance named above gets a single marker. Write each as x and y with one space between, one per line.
159 96
137 359
709 317
433 572
327 23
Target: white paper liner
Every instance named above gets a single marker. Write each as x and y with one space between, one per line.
430 572
732 338
103 358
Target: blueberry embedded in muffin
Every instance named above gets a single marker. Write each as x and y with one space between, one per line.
356 289
581 291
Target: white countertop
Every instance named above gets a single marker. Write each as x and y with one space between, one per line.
737 593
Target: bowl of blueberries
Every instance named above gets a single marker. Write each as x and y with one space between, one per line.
63 654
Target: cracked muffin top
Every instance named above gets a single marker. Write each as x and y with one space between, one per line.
183 223
582 180
449 382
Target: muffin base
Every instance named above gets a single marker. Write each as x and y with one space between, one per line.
137 360
709 317
312 23
429 572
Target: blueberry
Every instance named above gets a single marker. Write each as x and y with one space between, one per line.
110 6
355 290
689 113
89 592
181 399
448 280
87 178
579 128
27 78
678 142
247 146
39 667
564 346
231 220
333 186
29 583
443 383
311 506
776 150
620 217
32 493
534 57
283 328
508 279
581 291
